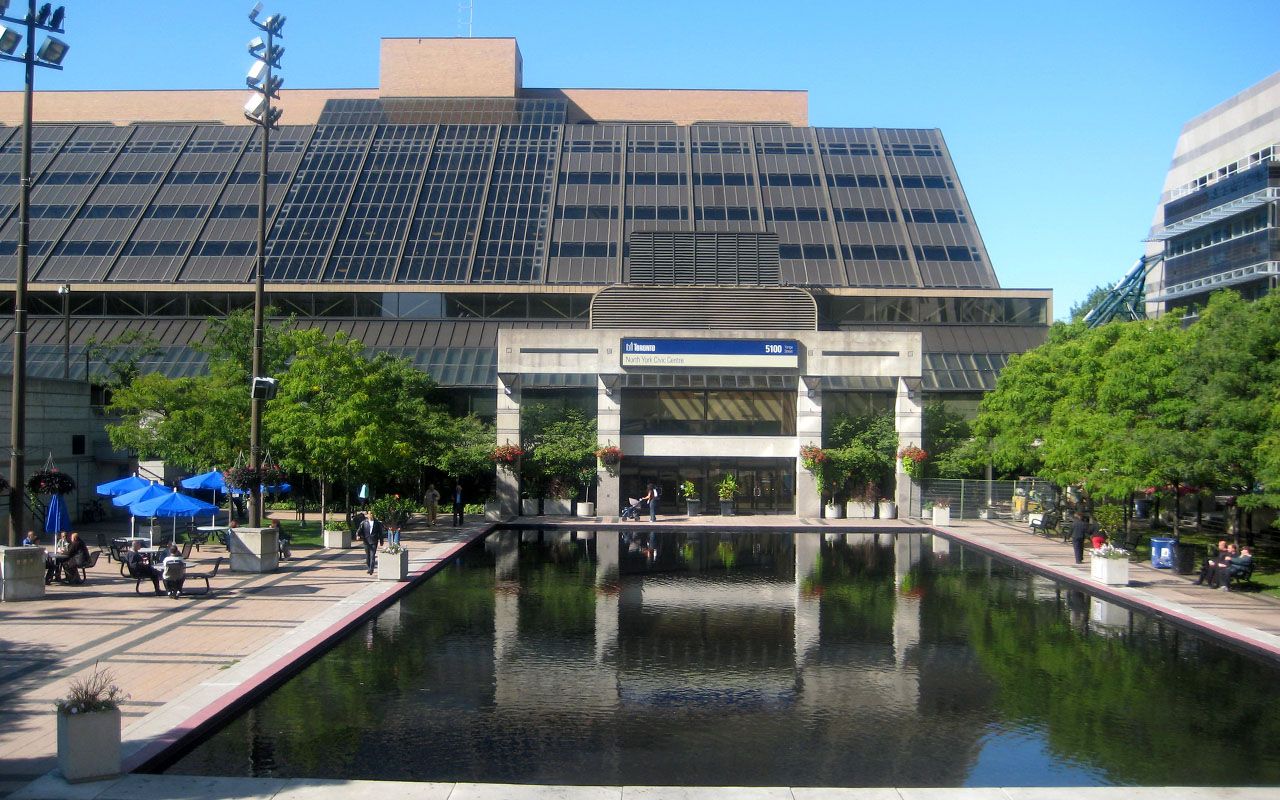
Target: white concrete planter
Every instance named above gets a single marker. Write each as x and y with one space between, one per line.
493 510
89 745
1110 571
529 507
941 515
21 573
337 539
888 510
586 509
254 550
856 509
393 567
833 511
555 507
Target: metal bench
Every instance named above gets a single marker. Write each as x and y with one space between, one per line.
82 570
206 576
1048 525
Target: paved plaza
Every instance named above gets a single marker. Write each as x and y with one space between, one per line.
182 660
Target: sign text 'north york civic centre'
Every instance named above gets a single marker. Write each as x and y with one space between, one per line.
775 353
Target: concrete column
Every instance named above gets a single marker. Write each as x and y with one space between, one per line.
508 424
908 420
808 431
608 431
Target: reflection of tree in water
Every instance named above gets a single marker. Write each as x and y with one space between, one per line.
1154 706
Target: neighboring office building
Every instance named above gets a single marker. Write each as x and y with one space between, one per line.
451 206
1216 225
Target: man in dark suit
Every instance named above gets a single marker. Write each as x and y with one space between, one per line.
1079 532
371 531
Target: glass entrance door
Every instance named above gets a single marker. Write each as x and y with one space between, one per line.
765 485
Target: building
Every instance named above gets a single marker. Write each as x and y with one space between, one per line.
1216 224
519 242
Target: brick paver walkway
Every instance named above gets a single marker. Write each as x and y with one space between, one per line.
159 648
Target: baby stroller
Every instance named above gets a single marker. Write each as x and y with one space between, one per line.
633 511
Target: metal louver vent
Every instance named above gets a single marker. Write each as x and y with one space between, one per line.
686 258
705 307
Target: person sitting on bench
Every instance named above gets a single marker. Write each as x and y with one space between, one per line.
1206 569
139 567
1232 567
174 571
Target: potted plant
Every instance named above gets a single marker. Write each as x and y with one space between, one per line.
336 535
887 508
558 500
942 511
692 501
834 509
393 563
89 728
505 456
726 490
1109 565
913 459
587 479
862 505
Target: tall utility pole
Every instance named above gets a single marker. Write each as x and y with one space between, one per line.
258 110
50 55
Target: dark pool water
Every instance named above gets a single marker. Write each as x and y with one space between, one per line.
801 659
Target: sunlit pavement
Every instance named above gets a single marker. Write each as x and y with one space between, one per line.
183 660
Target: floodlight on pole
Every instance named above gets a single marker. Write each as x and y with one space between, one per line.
50 56
261 112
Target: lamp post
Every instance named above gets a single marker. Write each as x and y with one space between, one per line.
65 291
258 110
50 55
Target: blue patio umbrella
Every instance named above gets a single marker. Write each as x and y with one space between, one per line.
172 505
275 488
212 480
121 486
129 498
57 519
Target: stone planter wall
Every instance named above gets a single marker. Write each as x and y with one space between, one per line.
254 550
888 510
21 573
858 509
393 567
493 510
555 507
337 539
89 745
529 507
1109 571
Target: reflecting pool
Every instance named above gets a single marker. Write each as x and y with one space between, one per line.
750 659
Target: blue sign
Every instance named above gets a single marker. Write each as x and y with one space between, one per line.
774 353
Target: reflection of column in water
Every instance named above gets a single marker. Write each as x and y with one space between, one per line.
859 539
1108 615
506 602
906 554
389 621
1077 603
906 626
607 606
808 605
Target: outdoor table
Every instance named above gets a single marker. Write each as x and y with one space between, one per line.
217 531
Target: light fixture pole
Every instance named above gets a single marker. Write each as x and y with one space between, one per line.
258 110
50 55
65 291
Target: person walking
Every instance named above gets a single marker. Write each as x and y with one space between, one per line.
458 506
433 503
652 498
371 531
1079 531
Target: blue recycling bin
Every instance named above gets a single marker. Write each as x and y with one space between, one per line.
1162 556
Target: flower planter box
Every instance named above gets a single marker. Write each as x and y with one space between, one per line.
692 508
21 573
89 745
726 508
941 516
586 509
529 507
493 510
393 566
833 511
337 539
1109 571
555 507
858 509
888 510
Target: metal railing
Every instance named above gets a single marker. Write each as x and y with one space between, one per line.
983 499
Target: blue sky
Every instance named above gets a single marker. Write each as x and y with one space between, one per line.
1061 118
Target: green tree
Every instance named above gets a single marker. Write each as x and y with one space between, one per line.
862 449
1089 303
559 451
949 441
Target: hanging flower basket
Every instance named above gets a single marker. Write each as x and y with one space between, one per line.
813 457
913 459
610 457
506 456
50 481
247 478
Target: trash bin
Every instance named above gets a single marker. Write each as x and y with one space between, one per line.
1186 555
1162 552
